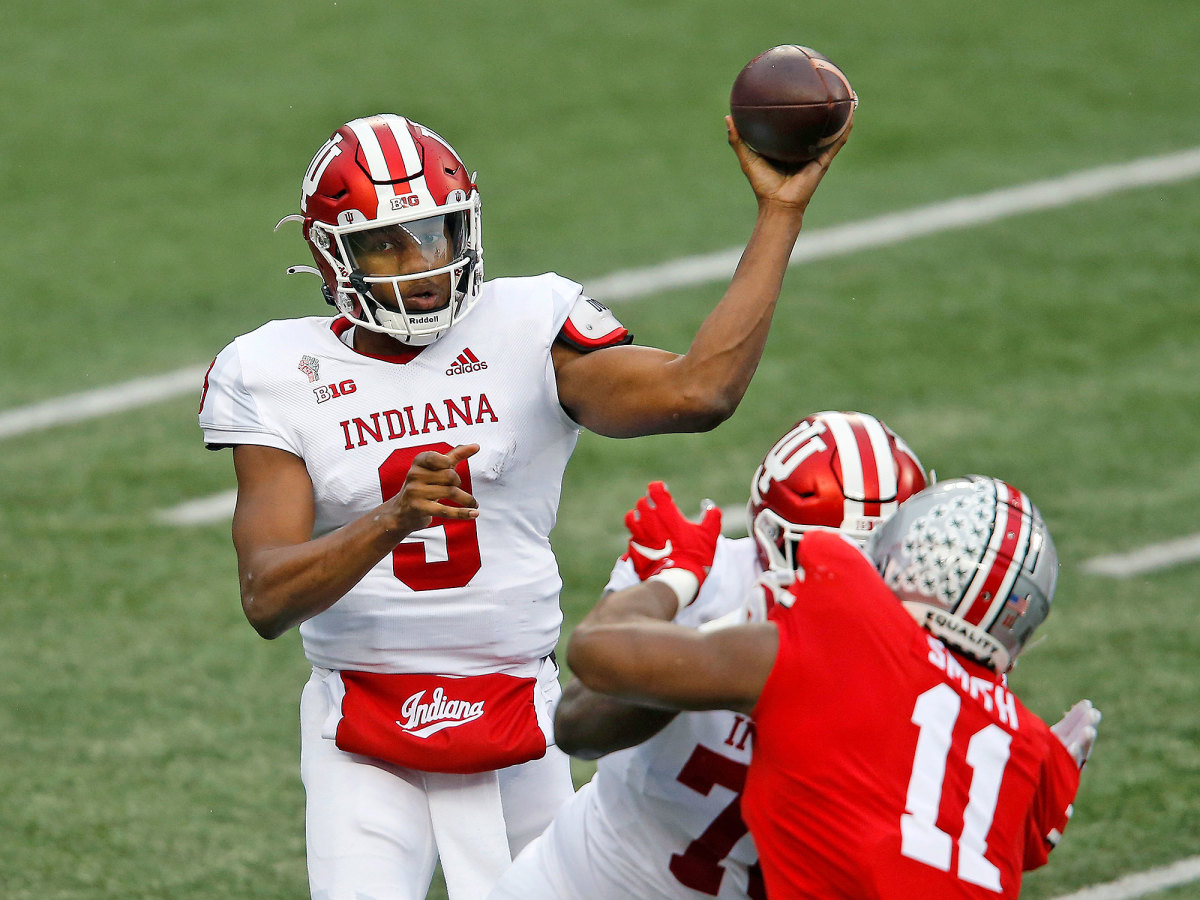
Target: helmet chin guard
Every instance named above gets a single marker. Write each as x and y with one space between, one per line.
385 173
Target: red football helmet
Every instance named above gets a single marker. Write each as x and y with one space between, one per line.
385 182
840 471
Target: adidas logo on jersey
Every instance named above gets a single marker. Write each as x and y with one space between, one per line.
424 719
466 362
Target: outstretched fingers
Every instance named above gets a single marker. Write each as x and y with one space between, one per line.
826 156
432 460
754 167
1077 730
710 520
663 502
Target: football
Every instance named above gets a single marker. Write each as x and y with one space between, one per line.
790 103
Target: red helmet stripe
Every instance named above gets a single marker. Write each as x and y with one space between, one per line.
400 156
372 153
889 463
389 148
863 463
869 463
1004 557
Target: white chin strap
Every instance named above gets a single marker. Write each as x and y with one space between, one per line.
394 323
958 634
417 329
433 324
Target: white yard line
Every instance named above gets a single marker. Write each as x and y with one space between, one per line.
218 507
1141 884
893 228
1148 559
102 401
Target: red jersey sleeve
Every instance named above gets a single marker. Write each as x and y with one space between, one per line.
1051 808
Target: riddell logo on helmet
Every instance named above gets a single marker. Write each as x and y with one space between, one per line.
466 362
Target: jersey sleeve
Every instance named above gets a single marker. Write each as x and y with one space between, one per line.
1052 804
591 325
623 576
230 411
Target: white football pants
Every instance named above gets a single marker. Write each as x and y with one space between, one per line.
374 830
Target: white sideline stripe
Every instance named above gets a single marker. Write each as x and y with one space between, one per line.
632 283
1148 559
894 228
1142 883
101 402
200 512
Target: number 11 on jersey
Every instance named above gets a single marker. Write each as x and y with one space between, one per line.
935 713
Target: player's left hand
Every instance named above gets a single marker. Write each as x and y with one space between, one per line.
1077 730
661 537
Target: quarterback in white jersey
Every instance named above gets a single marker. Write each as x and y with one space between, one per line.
358 425
661 820
399 468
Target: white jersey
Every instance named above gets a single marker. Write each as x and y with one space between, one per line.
662 819
461 597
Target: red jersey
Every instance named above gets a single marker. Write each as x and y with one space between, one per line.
885 766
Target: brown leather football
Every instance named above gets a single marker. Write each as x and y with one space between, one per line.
790 103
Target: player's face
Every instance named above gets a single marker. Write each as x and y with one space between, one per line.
406 249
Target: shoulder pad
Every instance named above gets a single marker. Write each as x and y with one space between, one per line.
592 326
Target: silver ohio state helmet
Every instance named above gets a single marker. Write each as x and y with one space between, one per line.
972 561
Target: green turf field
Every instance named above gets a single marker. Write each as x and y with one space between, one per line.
148 744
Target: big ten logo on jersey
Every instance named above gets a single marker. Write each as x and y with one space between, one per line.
404 201
789 451
333 391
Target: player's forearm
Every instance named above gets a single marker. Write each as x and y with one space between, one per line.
726 351
644 601
610 651
588 725
284 586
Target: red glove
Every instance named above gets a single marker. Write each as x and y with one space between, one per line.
661 538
